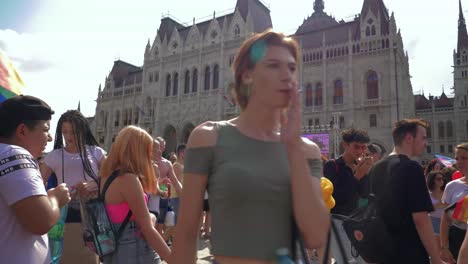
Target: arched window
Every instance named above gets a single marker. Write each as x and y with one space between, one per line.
101 118
441 130
449 129
216 77
308 95
117 118
105 119
125 117
175 88
195 81
338 92
130 116
168 85
372 85
466 124
429 130
236 31
367 31
318 94
373 30
137 115
207 78
187 82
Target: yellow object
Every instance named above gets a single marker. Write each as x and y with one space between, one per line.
327 190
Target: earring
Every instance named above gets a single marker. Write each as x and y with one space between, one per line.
246 89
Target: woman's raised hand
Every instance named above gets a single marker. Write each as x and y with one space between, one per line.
291 119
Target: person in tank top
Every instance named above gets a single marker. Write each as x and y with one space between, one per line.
260 174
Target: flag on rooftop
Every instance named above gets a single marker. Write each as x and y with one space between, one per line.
11 83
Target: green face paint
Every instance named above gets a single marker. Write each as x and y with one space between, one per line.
258 51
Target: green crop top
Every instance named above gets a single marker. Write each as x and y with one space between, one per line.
249 193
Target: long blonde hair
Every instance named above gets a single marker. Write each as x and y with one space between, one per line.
132 153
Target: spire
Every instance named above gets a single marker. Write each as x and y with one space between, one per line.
319 6
462 34
461 18
79 107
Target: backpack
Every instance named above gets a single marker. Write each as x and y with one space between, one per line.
98 231
368 233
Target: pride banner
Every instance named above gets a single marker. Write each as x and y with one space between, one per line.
447 161
11 83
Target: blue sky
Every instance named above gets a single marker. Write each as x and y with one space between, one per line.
64 49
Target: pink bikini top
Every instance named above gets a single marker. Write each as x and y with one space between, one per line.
118 212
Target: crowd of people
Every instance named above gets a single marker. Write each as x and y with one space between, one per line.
246 184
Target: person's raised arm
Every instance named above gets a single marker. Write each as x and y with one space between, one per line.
201 141
310 212
156 174
38 214
132 191
174 180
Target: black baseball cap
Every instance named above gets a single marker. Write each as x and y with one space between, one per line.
18 109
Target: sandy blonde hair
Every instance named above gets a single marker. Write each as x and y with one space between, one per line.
132 153
246 59
463 146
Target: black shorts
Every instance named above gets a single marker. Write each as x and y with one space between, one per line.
206 205
163 206
73 215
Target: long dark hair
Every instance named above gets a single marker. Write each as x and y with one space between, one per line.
83 137
431 180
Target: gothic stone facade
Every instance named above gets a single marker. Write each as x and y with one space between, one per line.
355 73
448 117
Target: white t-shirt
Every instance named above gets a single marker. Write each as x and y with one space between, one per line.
73 169
17 183
454 191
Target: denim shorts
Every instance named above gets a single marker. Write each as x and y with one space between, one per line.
174 204
132 248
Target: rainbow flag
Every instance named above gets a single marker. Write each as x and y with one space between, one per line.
460 209
11 83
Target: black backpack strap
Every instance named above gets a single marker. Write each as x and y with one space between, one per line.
122 226
336 166
107 183
103 195
297 240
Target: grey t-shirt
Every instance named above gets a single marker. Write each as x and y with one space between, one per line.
249 193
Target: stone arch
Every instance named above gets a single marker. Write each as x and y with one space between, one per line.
170 135
186 130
